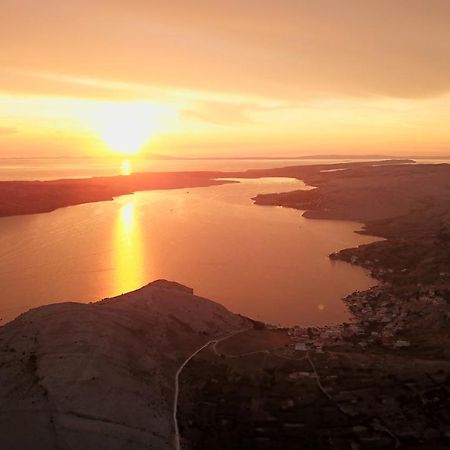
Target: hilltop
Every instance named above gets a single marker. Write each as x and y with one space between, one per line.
100 375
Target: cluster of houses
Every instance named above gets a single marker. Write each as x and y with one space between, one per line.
378 317
381 316
305 339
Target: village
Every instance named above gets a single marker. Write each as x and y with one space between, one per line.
379 380
377 318
368 383
314 399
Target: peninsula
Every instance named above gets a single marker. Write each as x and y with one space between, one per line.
33 197
380 380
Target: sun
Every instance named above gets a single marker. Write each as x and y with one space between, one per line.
126 127
126 168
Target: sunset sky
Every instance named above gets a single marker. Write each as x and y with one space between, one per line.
224 78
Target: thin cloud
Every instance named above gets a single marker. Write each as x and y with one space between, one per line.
229 113
8 130
285 49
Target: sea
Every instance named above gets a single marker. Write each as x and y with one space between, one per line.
268 263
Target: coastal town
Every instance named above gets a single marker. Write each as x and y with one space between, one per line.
332 387
378 318
380 380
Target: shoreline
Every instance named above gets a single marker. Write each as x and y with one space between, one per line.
335 310
391 361
334 199
407 206
34 197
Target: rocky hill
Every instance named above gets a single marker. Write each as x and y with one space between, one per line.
101 375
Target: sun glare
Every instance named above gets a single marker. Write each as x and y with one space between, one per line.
130 258
125 167
127 127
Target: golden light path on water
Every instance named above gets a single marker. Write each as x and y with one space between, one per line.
130 258
267 263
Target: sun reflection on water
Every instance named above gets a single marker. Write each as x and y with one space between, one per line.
129 254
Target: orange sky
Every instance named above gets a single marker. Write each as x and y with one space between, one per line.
256 77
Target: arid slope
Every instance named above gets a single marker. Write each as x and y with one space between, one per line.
407 204
100 375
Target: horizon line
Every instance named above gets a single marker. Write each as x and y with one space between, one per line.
236 158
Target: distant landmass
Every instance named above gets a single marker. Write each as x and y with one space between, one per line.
33 197
330 156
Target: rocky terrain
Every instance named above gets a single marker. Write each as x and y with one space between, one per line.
101 375
260 391
380 381
409 206
365 192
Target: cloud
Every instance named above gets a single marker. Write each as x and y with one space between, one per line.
285 49
233 113
225 114
8 130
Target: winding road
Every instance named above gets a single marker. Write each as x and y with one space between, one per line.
214 343
177 380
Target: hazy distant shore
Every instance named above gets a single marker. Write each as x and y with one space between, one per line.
34 197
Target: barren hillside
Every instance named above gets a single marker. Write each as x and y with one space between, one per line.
100 375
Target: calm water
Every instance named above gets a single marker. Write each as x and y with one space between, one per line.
265 262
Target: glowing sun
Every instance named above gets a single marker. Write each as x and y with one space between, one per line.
127 127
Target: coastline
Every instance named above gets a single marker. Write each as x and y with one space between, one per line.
413 229
362 378
333 198
382 380
397 201
409 207
34 197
